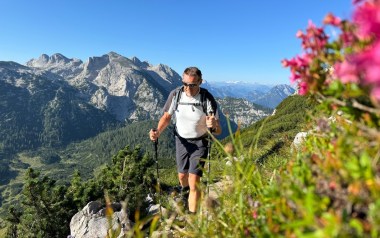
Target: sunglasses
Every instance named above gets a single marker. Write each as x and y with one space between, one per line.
190 85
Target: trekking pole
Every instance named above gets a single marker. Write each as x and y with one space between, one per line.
155 144
209 156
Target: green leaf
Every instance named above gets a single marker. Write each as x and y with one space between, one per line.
357 225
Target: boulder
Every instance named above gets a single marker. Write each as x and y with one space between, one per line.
92 222
298 140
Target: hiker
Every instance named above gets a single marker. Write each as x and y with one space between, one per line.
193 117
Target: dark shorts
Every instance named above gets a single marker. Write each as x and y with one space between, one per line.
191 155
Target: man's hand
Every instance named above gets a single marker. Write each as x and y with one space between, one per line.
211 121
154 134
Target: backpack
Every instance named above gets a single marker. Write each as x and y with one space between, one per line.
205 94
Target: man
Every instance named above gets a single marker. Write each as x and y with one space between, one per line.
192 123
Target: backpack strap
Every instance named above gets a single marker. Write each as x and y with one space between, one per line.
177 96
206 95
203 100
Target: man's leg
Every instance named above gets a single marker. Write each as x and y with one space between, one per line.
183 179
195 192
182 160
184 193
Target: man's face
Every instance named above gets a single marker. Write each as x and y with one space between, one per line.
191 85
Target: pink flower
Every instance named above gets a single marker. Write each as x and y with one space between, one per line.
367 18
332 20
294 77
356 1
289 63
285 63
346 72
302 61
373 70
373 74
347 38
299 34
375 93
368 62
254 214
315 38
303 88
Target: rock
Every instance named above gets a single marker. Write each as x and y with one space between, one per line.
154 209
92 222
298 140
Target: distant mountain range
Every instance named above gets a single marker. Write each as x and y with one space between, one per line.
264 95
54 100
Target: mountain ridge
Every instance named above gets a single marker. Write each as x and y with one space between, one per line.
129 90
261 94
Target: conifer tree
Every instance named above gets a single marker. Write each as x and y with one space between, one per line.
46 209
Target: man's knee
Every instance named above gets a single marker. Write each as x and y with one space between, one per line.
182 176
194 181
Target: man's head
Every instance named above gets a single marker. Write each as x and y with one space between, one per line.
191 79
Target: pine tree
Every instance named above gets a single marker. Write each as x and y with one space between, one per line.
47 211
13 218
129 178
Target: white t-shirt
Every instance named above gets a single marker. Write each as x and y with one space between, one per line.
190 119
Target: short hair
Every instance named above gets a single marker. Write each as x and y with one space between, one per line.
193 71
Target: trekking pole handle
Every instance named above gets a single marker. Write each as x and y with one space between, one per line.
211 113
155 130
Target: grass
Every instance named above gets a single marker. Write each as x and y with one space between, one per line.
168 177
3 231
32 161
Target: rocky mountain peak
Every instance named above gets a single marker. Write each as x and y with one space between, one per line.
164 75
138 62
272 98
55 61
10 65
97 62
284 89
56 58
124 87
114 56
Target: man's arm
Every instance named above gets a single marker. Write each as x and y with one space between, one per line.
162 124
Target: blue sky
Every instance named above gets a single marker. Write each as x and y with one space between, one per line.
227 40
